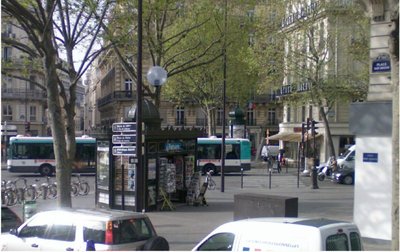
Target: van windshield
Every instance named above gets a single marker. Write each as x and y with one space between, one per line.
346 153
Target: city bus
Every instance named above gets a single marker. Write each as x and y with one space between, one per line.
237 154
36 155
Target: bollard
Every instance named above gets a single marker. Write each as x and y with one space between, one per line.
241 178
29 209
270 176
314 178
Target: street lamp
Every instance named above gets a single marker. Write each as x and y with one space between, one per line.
157 76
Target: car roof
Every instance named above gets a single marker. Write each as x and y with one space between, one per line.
96 213
310 222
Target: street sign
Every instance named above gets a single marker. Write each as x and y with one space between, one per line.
123 139
124 127
124 150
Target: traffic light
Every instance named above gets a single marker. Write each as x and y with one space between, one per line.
308 124
314 127
27 126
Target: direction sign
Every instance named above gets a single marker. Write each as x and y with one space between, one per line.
124 127
124 150
123 139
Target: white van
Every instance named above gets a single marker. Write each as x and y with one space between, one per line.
347 159
277 234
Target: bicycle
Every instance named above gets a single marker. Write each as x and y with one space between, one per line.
82 186
47 190
8 196
210 182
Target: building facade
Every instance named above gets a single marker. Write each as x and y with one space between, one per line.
317 44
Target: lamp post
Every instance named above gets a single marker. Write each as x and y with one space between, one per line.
140 178
224 101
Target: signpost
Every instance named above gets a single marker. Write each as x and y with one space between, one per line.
126 147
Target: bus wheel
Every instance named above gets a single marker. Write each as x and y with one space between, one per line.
209 167
46 170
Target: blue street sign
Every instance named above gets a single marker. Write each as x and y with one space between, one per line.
123 139
370 157
124 127
124 150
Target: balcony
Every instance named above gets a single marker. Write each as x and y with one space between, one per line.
115 96
22 93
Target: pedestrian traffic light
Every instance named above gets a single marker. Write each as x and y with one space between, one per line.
27 126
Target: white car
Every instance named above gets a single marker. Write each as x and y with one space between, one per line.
283 234
82 229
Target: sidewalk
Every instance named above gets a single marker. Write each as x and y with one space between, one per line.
187 225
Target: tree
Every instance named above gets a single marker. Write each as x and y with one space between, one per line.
312 44
168 25
204 84
54 28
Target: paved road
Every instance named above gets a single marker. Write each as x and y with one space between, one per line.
187 225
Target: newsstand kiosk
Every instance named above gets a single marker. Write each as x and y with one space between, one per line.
169 163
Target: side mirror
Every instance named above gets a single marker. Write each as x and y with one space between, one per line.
157 243
14 231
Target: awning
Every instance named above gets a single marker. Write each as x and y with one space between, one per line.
290 137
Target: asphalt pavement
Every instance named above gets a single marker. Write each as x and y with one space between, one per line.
187 225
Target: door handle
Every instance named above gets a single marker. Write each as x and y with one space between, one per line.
69 249
34 245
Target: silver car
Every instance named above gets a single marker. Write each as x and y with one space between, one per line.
83 229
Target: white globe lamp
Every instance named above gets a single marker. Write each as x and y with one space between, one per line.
157 76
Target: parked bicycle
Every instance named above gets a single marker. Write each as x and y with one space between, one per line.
47 190
82 187
13 194
8 196
210 182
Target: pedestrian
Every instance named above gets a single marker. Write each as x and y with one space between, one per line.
264 153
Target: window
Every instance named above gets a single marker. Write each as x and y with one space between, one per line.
218 242
128 85
95 231
180 116
32 113
130 230
355 241
337 242
35 228
7 112
251 120
271 116
7 53
61 232
220 116
288 114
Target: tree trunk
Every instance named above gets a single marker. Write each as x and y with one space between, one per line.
327 131
63 174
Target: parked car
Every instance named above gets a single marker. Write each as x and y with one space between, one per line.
9 219
274 234
344 175
83 229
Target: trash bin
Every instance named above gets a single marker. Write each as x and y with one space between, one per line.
29 209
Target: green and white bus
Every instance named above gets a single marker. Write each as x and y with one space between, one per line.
237 154
36 155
